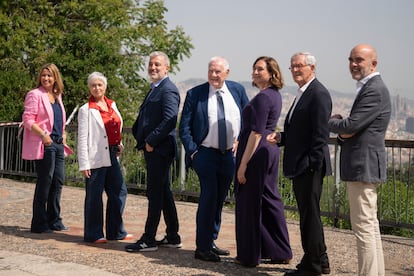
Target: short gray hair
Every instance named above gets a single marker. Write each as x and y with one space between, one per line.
309 58
99 76
226 64
159 53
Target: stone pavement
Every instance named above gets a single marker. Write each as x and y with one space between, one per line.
65 253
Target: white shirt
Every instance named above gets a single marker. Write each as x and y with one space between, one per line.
301 90
232 114
362 82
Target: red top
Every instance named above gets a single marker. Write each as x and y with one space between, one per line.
110 119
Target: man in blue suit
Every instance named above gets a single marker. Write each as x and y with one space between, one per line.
213 162
154 131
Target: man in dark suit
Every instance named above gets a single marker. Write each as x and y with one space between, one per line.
363 155
154 131
306 159
213 162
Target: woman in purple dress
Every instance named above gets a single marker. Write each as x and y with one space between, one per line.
261 230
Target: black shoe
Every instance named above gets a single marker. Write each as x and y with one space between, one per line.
171 244
141 246
326 269
208 256
237 261
219 251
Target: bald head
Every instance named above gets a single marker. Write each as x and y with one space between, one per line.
362 61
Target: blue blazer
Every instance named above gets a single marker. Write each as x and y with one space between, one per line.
194 117
157 119
306 135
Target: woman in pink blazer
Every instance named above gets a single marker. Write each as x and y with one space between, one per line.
44 140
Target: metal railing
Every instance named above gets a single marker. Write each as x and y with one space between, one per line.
395 197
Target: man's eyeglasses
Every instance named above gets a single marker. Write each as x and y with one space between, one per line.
298 66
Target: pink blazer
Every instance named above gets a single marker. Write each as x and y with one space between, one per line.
37 109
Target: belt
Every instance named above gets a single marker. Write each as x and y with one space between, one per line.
57 139
223 152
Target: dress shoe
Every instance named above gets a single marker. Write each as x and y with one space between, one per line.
47 231
208 256
219 251
237 261
325 268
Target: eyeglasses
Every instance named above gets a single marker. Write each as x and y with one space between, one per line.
298 66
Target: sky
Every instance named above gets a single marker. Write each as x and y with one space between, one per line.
242 30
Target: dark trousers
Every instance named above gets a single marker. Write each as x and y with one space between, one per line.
215 172
160 197
110 180
308 189
50 178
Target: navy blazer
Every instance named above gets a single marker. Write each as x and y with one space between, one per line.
363 156
306 135
194 117
157 119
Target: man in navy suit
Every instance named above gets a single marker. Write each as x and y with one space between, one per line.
199 133
306 159
154 131
363 155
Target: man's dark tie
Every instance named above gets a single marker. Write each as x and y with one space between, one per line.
221 121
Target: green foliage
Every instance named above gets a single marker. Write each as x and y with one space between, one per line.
111 36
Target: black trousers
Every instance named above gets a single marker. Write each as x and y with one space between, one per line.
308 189
160 197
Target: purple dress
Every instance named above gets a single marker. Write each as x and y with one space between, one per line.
261 230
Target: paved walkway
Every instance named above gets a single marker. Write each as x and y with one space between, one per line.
64 253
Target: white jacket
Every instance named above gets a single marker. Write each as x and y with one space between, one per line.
93 146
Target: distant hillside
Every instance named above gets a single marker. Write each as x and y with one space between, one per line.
290 90
251 91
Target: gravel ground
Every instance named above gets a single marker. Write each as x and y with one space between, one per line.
68 247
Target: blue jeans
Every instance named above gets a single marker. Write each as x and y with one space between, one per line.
50 178
109 179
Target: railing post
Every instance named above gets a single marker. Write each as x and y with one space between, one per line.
2 149
337 183
182 168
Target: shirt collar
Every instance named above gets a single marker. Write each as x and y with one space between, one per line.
223 89
305 86
362 82
157 83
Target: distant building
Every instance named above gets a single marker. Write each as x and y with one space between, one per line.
409 124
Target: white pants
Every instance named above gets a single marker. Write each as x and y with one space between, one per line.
364 221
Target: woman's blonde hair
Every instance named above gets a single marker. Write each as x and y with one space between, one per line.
58 85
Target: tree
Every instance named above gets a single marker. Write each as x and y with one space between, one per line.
111 36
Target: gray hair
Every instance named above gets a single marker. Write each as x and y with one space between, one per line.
309 58
159 53
222 60
97 75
